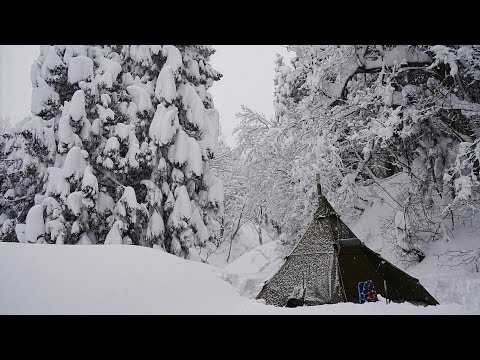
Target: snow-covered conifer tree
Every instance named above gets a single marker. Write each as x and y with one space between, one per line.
118 149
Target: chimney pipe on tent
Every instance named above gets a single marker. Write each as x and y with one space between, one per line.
319 187
322 201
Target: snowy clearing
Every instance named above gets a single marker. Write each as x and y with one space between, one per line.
121 279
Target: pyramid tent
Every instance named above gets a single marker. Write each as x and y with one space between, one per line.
329 261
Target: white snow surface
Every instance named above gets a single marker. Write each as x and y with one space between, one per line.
74 164
104 113
35 224
74 202
65 132
77 106
155 225
211 130
129 197
195 157
447 283
202 231
122 131
193 104
140 97
215 191
79 68
89 180
51 61
114 237
174 57
179 152
112 144
41 94
105 202
182 210
84 240
164 124
56 183
245 242
109 66
123 279
165 87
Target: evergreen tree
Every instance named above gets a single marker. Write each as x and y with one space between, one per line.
118 149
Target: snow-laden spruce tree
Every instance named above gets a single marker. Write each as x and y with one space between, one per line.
118 149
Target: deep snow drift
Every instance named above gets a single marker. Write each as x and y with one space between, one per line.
122 279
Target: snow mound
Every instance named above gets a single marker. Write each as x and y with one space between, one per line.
117 280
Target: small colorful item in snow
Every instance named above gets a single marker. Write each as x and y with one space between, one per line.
366 292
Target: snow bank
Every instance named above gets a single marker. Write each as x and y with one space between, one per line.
49 279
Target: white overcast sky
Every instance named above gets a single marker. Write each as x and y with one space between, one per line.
247 79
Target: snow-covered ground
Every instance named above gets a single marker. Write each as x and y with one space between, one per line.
446 283
122 279
245 241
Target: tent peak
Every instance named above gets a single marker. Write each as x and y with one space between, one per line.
319 186
324 208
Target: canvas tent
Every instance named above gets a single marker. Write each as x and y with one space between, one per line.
329 261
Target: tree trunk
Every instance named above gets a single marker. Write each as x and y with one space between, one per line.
235 233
